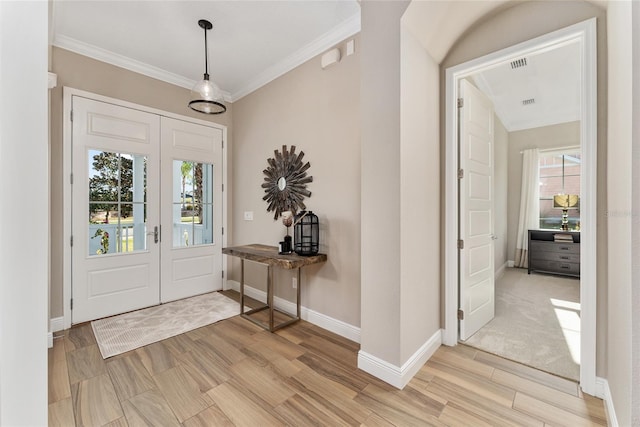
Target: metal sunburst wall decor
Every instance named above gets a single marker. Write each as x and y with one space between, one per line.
286 182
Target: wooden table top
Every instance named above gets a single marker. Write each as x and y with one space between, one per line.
269 255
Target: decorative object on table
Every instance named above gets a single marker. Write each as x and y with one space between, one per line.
207 96
306 230
285 246
566 202
286 182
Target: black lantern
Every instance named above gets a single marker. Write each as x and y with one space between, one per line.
306 233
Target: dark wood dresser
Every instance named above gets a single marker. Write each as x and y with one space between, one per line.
553 254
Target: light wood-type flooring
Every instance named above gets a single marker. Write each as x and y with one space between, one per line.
233 373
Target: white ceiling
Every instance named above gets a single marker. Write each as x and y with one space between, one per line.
254 42
551 79
251 43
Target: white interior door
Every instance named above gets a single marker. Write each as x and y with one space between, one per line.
191 209
115 209
476 222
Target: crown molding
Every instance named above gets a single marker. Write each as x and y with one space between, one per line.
346 29
103 55
339 33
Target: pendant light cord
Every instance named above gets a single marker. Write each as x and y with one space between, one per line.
206 56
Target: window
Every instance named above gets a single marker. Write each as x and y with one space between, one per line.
117 202
192 203
559 174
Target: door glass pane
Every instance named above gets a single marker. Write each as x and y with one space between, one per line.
117 202
192 203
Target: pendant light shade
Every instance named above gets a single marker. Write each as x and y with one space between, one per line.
206 95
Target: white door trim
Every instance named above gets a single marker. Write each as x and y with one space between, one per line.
68 93
585 34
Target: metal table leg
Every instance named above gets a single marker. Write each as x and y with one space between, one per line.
298 294
270 296
270 326
241 286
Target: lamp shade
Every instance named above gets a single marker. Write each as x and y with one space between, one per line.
206 97
566 201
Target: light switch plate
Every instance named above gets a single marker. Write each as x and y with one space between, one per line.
248 216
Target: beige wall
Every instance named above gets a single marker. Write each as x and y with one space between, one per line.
619 214
543 138
317 111
400 188
524 21
419 194
81 72
380 179
501 191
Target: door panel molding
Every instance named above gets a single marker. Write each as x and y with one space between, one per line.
476 222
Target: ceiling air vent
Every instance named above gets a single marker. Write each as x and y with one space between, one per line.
522 62
529 101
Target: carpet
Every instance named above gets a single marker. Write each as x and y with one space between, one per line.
128 331
537 322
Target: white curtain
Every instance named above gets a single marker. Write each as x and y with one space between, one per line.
529 218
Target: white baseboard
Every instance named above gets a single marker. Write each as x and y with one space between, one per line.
511 263
56 324
325 322
500 271
604 392
400 376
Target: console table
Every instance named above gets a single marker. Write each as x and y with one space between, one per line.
547 255
269 256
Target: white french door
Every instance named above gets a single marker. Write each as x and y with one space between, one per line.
146 215
115 209
477 287
191 209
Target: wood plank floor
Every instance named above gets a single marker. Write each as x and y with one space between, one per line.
234 373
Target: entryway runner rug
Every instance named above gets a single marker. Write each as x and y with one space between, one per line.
128 331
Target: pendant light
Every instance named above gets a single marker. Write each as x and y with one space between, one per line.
206 95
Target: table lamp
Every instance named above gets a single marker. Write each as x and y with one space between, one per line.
566 202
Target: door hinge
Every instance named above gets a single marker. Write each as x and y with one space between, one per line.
222 143
460 314
460 244
223 274
460 173
71 116
71 303
71 240
460 102
222 187
223 231
71 179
